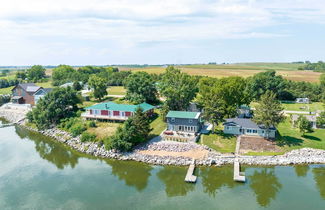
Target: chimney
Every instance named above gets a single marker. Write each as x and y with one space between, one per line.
106 106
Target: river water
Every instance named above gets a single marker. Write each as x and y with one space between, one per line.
38 173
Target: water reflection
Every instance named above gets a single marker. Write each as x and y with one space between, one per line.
301 170
319 177
173 178
50 150
134 174
214 178
265 185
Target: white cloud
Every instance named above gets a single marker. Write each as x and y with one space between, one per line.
55 25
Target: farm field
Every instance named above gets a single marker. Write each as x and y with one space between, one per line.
287 70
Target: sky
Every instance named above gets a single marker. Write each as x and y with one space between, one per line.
102 32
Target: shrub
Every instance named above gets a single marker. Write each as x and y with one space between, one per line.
87 137
92 124
77 129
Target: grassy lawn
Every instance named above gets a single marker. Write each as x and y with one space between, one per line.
6 90
116 90
104 129
45 84
219 141
290 138
303 107
157 125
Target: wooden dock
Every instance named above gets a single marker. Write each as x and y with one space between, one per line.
189 175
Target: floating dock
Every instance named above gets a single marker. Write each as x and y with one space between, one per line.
189 175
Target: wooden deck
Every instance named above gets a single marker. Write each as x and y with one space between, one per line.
189 175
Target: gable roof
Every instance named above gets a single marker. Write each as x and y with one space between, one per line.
121 107
184 114
44 90
28 87
244 123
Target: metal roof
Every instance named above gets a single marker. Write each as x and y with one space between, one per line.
121 107
184 114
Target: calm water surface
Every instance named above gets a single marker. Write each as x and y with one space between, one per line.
38 173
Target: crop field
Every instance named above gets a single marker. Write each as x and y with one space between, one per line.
287 70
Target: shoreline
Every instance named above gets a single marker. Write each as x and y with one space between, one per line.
294 157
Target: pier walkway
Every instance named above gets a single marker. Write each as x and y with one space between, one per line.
189 175
238 176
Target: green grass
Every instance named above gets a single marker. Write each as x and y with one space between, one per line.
6 90
290 138
116 90
157 125
104 129
263 153
219 141
45 84
303 107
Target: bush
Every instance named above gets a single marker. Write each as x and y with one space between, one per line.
87 137
92 124
77 129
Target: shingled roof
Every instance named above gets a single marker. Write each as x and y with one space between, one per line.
244 123
29 87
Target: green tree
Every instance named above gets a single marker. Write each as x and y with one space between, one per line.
321 120
141 88
58 104
178 88
268 111
63 74
221 98
322 80
99 86
304 125
134 131
262 82
77 86
21 75
35 73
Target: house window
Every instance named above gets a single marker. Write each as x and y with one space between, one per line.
123 114
248 131
96 112
254 131
190 121
173 119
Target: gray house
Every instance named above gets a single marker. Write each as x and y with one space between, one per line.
311 118
184 121
242 126
40 93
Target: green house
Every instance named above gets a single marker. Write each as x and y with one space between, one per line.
114 111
